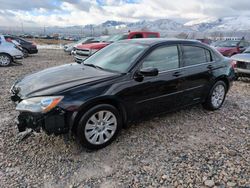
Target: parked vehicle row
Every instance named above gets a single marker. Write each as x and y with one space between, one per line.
85 50
125 81
13 49
229 48
9 52
69 48
27 47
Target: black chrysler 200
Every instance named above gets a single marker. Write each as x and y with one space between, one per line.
121 83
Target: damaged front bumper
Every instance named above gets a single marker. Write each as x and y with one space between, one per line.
54 122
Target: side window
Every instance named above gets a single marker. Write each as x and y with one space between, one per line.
163 58
193 55
152 36
137 36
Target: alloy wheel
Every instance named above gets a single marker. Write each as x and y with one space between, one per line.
218 95
100 127
4 60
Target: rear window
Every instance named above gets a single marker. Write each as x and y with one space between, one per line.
193 55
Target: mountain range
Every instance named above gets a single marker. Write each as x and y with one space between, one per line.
166 27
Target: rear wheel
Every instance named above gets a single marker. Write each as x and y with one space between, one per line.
5 60
99 126
216 96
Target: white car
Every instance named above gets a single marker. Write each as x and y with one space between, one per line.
242 64
9 52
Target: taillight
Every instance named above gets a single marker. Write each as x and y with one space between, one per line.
234 64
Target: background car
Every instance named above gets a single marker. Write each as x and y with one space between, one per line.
242 64
86 50
28 47
9 52
69 47
123 82
229 48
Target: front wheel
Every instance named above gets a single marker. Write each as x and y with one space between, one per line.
25 53
5 60
216 96
99 126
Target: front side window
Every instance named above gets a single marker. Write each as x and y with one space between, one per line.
137 36
163 58
193 55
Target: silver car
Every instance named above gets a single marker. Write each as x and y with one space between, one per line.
242 63
9 52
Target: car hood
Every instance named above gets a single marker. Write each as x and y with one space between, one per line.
223 49
98 45
56 79
245 57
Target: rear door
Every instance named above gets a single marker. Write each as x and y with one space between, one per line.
197 69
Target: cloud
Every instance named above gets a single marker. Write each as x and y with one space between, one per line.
82 12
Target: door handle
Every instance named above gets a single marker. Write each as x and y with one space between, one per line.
177 74
210 67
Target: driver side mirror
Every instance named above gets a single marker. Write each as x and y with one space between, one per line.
147 72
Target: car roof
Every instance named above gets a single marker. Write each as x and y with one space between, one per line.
155 41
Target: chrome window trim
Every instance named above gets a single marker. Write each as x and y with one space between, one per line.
190 66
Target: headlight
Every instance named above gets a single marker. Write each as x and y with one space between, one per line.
39 104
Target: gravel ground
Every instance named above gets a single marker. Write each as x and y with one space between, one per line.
188 148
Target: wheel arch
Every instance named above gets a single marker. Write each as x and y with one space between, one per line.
224 79
5 53
75 117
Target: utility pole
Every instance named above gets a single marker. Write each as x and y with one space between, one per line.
44 30
22 28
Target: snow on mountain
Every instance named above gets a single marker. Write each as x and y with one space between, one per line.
163 26
240 23
166 26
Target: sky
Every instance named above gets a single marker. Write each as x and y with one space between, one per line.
83 12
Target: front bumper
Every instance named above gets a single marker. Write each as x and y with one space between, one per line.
79 59
17 58
54 122
242 72
33 51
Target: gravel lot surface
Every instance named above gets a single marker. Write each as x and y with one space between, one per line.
188 148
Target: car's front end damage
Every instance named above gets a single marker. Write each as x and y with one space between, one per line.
49 99
41 113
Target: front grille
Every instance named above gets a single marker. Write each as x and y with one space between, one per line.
82 52
242 65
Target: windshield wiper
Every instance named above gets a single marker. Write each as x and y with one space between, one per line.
95 66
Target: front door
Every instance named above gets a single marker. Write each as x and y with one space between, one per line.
156 94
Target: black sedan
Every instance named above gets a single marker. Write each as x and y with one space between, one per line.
121 83
28 47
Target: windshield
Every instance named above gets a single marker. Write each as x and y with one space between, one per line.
82 40
117 57
247 50
228 43
115 38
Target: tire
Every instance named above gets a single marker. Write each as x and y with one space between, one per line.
25 53
95 132
5 60
216 96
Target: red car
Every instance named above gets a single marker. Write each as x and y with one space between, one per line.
85 50
229 48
